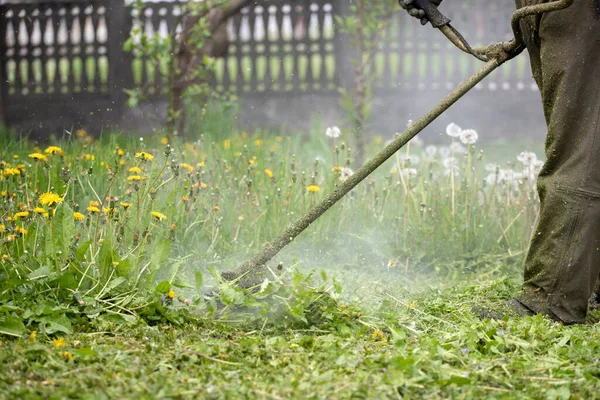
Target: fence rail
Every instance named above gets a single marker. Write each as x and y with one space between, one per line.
71 51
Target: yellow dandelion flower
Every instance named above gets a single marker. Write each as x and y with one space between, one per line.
10 238
125 205
50 199
217 208
108 210
21 214
21 230
269 173
54 150
59 342
5 257
189 168
171 294
252 162
227 144
120 152
2 228
12 171
164 141
3 193
32 336
115 264
68 356
241 218
185 198
203 185
93 209
158 216
38 157
81 133
90 157
16 157
237 154
313 188
144 156
78 216
135 170
336 169
200 164
135 178
94 203
258 142
378 335
39 210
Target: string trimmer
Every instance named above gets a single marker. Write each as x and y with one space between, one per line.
254 271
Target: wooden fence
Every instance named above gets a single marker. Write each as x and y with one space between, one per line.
63 60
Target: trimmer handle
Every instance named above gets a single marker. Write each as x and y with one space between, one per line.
432 13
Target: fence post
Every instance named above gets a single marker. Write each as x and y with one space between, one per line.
120 73
345 54
3 73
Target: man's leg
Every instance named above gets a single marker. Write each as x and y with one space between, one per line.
563 262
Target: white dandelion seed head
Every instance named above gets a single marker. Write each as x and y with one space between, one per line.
333 132
453 130
469 136
445 152
528 158
408 172
509 176
491 179
458 148
345 173
430 151
417 141
450 163
408 159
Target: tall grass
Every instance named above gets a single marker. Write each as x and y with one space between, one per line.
134 212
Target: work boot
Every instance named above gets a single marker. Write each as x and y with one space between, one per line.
594 302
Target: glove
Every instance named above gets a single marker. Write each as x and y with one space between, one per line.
417 12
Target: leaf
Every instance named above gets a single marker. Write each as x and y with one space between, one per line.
12 326
82 249
56 323
160 255
41 272
198 277
174 270
113 284
106 257
86 353
63 228
181 284
163 287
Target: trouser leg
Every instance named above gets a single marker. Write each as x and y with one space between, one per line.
563 262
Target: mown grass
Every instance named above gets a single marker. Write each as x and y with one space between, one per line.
387 312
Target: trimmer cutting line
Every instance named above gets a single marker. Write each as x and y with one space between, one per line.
254 271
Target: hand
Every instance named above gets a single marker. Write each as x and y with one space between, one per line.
417 12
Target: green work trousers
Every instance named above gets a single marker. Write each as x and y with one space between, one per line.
563 262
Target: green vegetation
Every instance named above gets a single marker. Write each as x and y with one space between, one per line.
109 248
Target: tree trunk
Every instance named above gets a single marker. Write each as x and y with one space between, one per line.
188 57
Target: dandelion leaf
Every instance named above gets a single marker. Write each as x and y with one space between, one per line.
57 322
11 326
63 229
198 277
